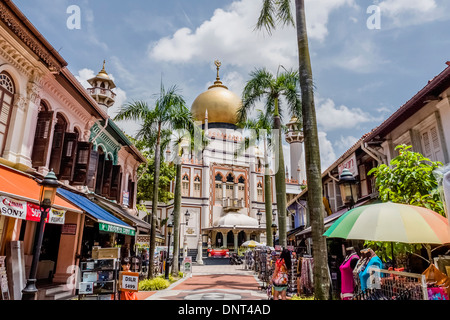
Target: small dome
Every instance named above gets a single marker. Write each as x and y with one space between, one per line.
236 219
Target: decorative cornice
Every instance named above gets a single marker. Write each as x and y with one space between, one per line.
65 99
17 60
18 27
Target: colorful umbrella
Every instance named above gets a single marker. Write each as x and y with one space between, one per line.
392 222
251 244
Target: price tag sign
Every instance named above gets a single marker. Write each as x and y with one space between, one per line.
129 281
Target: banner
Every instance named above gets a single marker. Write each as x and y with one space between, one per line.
29 211
34 212
13 208
57 216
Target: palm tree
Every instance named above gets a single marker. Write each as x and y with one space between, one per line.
279 10
261 129
189 134
169 112
264 84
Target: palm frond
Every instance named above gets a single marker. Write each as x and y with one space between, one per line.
136 110
267 16
284 13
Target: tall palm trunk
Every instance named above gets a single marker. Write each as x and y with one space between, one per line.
280 180
267 197
155 203
312 159
176 217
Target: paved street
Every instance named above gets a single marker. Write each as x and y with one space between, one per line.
215 280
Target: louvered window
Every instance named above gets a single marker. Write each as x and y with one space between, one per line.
6 103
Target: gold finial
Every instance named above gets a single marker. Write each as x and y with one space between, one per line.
218 83
103 69
218 65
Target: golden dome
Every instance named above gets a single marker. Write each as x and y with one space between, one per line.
222 104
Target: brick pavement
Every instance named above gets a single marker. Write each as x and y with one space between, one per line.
214 282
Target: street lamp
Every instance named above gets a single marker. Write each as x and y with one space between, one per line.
259 216
169 231
274 232
187 215
347 184
46 199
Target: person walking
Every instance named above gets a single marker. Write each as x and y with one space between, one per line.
280 275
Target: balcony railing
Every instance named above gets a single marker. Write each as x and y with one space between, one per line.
233 204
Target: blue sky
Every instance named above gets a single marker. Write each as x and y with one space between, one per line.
361 75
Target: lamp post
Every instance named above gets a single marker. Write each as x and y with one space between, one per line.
259 216
169 231
347 184
274 232
46 199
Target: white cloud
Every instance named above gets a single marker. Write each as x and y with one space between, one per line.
229 34
345 143
395 8
330 117
327 154
403 13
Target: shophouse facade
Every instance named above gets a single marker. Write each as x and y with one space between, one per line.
49 121
422 122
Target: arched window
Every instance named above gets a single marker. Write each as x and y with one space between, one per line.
42 136
259 188
230 186
185 186
218 191
58 143
197 187
6 102
241 187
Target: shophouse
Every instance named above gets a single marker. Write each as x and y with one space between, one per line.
50 122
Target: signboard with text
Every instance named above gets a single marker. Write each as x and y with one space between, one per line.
129 281
29 211
116 229
350 164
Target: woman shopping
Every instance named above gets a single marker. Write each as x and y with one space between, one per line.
280 275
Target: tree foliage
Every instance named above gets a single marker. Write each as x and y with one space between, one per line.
409 179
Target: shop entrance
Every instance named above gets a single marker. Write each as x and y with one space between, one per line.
49 251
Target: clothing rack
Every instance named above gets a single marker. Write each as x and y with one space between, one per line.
393 285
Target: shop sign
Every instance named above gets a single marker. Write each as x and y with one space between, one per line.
187 264
116 229
57 216
34 212
13 208
125 198
69 229
54 217
86 288
129 281
29 211
350 164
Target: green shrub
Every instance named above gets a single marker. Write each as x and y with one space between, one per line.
154 284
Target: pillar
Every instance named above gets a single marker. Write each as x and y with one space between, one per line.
236 233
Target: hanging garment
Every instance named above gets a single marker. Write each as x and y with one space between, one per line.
364 275
347 281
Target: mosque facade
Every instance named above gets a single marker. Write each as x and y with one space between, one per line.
223 184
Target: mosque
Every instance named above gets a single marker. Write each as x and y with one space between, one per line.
223 193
